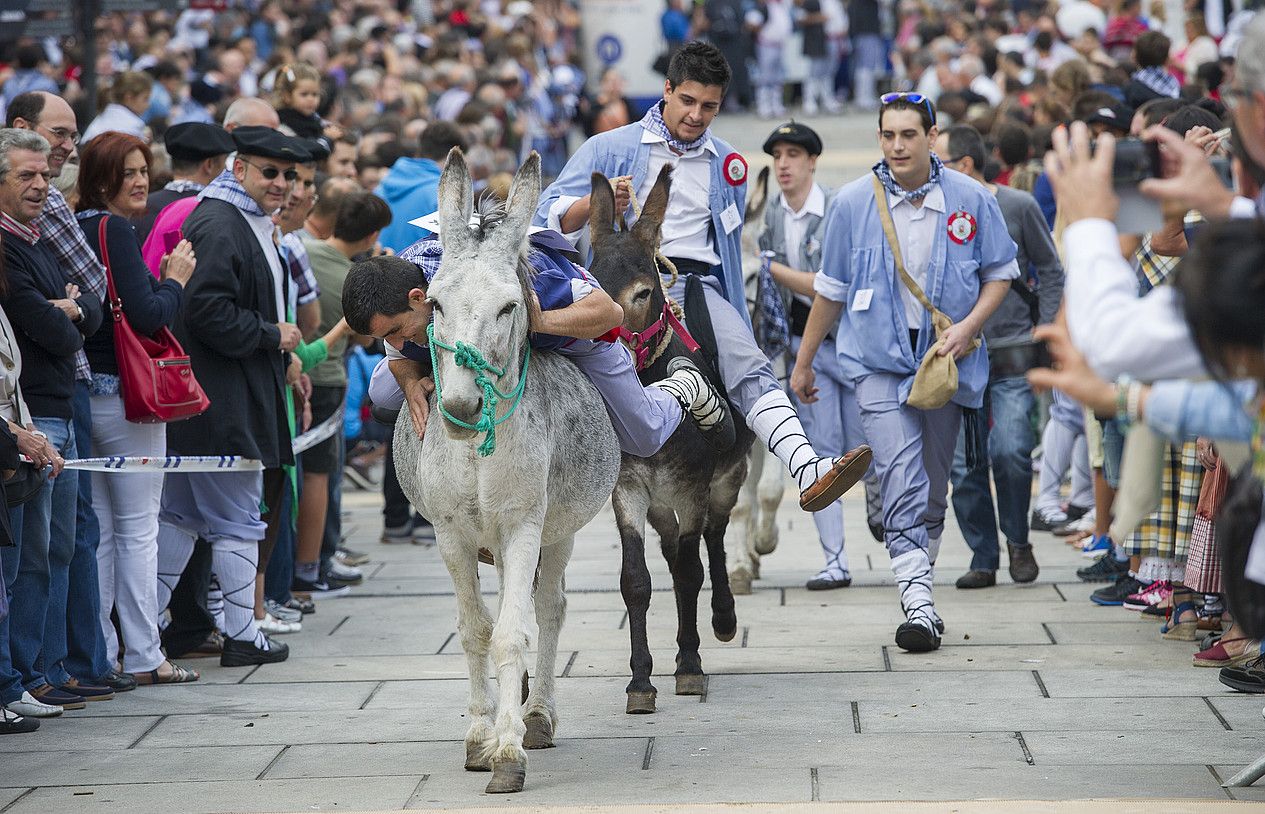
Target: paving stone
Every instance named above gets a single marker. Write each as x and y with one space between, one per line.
934 780
342 794
1182 680
199 698
1242 712
321 726
1039 657
1035 715
736 659
752 785
841 688
1142 630
140 765
1255 792
71 732
7 796
436 757
1119 747
359 668
882 753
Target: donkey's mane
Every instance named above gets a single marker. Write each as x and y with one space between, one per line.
490 213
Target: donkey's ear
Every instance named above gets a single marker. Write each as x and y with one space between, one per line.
646 229
601 211
520 206
456 203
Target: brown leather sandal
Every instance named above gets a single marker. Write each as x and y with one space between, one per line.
842 476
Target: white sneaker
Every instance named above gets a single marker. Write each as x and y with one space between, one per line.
29 707
281 612
273 625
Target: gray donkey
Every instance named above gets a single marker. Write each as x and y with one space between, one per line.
555 462
687 489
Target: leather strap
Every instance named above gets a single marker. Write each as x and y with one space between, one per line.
889 230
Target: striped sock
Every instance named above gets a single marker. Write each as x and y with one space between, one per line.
774 421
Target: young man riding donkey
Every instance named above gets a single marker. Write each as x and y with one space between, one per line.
702 236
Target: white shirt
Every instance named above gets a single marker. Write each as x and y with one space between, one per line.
1118 332
116 117
794 223
264 229
916 233
986 87
778 26
687 225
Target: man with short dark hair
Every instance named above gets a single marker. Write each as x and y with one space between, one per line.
232 325
411 188
954 255
701 235
361 218
1006 419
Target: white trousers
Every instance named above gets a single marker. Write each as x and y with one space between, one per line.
127 557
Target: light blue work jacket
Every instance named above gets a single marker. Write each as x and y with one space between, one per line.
856 259
621 152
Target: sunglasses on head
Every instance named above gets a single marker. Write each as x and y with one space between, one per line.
912 98
270 172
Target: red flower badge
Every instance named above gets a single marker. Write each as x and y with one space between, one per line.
961 227
735 169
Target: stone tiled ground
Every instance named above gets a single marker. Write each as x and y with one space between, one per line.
1036 695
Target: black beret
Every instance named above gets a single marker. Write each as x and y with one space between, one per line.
265 142
795 133
205 91
318 149
195 141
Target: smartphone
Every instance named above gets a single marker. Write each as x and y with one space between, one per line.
1015 357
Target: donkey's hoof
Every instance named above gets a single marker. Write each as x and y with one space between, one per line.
740 584
508 777
727 635
539 733
691 683
486 557
641 702
765 544
475 760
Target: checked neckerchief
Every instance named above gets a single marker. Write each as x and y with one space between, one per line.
653 121
894 189
226 188
772 328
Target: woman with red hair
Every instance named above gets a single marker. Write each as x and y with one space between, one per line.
113 187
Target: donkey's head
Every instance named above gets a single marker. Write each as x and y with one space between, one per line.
481 290
623 260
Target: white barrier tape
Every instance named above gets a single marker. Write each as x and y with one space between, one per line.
170 463
319 433
201 463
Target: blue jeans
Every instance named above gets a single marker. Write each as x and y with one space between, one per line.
10 680
86 653
1112 452
37 623
1009 403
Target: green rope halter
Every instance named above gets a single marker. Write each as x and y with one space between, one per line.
469 356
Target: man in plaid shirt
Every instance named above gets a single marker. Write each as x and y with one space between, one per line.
78 650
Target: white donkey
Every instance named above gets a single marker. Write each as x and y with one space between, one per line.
553 467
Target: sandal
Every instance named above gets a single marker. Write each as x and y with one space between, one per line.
1218 656
179 675
1176 630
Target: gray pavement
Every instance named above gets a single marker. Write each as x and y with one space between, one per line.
1036 695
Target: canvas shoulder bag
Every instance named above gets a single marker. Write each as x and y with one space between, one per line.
937 378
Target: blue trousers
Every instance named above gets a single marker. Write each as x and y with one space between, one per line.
1009 404
86 656
37 621
913 452
10 679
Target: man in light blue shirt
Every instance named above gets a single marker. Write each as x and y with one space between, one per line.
956 247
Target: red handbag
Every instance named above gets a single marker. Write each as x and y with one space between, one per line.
156 377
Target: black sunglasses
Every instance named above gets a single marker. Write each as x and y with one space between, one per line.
270 173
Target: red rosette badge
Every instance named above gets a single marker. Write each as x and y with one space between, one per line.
735 168
962 227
